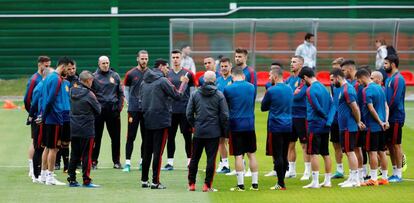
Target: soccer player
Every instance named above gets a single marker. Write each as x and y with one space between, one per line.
339 173
319 107
275 64
84 107
54 100
187 62
240 97
395 94
35 109
349 69
376 77
208 113
210 65
298 119
222 81
240 59
349 119
43 62
375 111
132 82
178 110
108 90
156 105
278 101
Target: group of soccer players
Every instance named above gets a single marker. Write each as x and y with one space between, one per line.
359 115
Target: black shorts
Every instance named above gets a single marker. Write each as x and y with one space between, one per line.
299 126
65 136
318 143
37 134
394 133
372 141
360 136
242 142
335 133
52 135
348 141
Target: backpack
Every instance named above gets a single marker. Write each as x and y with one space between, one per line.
391 50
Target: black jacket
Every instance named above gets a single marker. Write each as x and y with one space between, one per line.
207 111
108 90
155 95
83 108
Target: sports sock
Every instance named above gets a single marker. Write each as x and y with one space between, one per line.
394 170
188 161
364 170
127 162
170 161
399 172
255 177
384 174
354 175
30 165
374 174
292 167
225 162
340 168
360 173
240 177
315 177
327 178
140 161
307 167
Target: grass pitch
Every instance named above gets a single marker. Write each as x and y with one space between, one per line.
118 186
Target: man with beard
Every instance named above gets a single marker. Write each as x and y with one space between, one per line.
349 119
43 62
55 98
156 105
210 65
108 90
349 69
298 119
319 109
132 83
395 94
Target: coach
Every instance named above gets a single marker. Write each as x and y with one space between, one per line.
156 105
108 90
207 111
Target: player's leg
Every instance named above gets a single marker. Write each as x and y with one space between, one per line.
131 135
211 147
99 127
313 150
75 157
172 131
147 156
186 130
159 141
324 151
113 124
198 146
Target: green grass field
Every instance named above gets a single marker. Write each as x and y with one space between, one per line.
125 187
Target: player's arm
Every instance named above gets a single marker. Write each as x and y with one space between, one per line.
266 101
224 112
127 84
331 114
29 88
356 114
96 106
398 89
300 92
191 81
170 89
313 100
120 93
387 114
190 110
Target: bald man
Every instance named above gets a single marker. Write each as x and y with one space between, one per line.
376 77
108 90
208 113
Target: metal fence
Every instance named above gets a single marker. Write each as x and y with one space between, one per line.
277 39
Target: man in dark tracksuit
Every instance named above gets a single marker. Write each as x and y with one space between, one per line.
108 90
84 107
207 111
132 82
155 94
175 75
